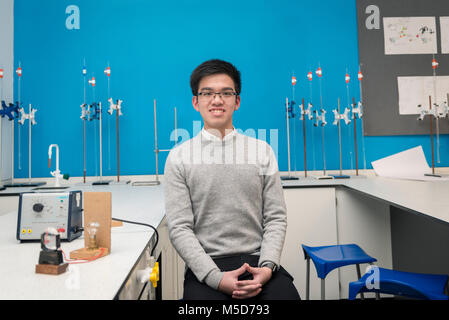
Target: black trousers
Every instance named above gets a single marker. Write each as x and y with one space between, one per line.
279 287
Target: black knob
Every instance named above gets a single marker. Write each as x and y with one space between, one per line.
38 207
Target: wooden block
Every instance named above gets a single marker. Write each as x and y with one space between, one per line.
98 208
51 269
87 254
116 223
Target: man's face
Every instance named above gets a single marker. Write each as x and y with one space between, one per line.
216 109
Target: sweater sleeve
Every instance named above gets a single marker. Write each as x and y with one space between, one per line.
274 213
180 222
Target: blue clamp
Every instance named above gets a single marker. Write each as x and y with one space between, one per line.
11 111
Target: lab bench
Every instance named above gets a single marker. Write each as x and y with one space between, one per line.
404 224
395 221
111 277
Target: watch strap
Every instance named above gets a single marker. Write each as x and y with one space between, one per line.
270 265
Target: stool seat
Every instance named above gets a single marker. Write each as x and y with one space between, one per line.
414 285
328 258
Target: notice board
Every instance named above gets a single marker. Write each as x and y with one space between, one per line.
398 41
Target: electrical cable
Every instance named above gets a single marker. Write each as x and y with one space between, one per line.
152 250
142 224
75 261
141 291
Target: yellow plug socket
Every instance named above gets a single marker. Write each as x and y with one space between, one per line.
154 276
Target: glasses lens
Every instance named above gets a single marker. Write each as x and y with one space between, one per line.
207 95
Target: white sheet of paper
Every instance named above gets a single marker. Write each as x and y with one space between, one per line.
414 91
410 35
410 164
444 28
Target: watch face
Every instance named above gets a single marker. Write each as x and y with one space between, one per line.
270 265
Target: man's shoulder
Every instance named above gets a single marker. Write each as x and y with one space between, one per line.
253 141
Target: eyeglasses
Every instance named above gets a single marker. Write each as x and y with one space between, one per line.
208 95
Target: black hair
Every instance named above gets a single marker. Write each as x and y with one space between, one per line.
215 66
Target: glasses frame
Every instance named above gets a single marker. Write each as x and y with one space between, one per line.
214 94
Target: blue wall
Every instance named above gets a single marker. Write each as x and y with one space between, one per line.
152 47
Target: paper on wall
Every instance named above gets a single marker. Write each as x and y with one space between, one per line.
410 35
414 91
444 28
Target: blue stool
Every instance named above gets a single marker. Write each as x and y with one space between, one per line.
328 258
414 285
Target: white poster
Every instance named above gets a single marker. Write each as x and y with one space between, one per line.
410 35
414 91
444 27
408 163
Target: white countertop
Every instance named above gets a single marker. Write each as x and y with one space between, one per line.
99 279
430 198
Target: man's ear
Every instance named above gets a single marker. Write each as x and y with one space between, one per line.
237 103
195 103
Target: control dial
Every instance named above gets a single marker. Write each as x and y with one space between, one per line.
38 207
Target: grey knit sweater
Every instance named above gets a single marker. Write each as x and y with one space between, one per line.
223 197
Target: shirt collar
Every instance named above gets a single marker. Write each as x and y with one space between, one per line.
209 136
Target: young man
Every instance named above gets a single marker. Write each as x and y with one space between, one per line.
224 201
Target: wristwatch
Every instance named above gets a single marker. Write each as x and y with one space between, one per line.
270 265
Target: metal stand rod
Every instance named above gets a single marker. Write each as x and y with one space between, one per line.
84 150
304 134
324 151
339 137
19 136
355 139
29 143
431 134
101 152
360 77
322 130
436 111
349 107
288 135
118 148
84 120
156 151
12 151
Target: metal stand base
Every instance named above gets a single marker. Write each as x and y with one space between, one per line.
324 177
432 175
289 178
341 177
51 188
146 183
24 184
101 182
122 182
